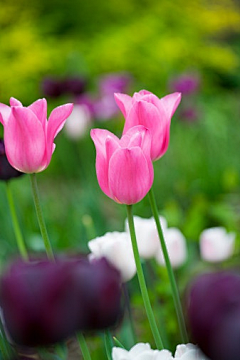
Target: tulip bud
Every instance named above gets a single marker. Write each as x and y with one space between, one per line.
124 168
45 302
146 109
28 136
213 308
116 247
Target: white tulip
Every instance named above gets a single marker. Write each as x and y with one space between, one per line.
140 351
78 122
116 247
189 352
216 244
176 246
147 235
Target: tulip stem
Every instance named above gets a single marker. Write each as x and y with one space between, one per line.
108 344
16 227
41 221
175 293
142 282
129 312
83 347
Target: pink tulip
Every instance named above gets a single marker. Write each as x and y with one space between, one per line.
28 136
124 167
146 109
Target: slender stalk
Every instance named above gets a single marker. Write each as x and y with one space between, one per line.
83 347
108 344
175 293
41 221
129 312
16 227
142 282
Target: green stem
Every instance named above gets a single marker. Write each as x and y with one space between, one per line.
142 283
175 293
129 312
108 344
83 347
41 221
16 227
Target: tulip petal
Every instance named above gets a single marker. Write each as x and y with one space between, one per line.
99 137
124 102
15 102
129 178
149 116
24 140
57 119
170 103
55 124
39 108
5 112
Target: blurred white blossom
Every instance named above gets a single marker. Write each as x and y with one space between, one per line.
216 244
116 247
189 352
176 246
140 351
78 122
147 235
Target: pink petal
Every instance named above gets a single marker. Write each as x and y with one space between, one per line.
139 95
170 103
150 117
24 140
55 124
39 108
129 178
131 119
101 139
124 102
5 112
15 102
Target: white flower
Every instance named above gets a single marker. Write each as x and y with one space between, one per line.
176 246
189 352
140 351
216 244
147 235
116 247
78 122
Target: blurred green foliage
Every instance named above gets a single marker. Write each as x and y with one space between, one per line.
151 39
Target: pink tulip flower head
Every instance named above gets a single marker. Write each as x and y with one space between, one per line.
124 167
146 109
28 136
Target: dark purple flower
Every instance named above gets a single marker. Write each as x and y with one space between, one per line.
52 87
74 85
214 314
7 172
45 302
186 84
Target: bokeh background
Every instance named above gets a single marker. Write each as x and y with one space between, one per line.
82 51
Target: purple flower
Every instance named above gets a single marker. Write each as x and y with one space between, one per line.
214 314
186 84
111 83
52 87
74 85
45 302
7 172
